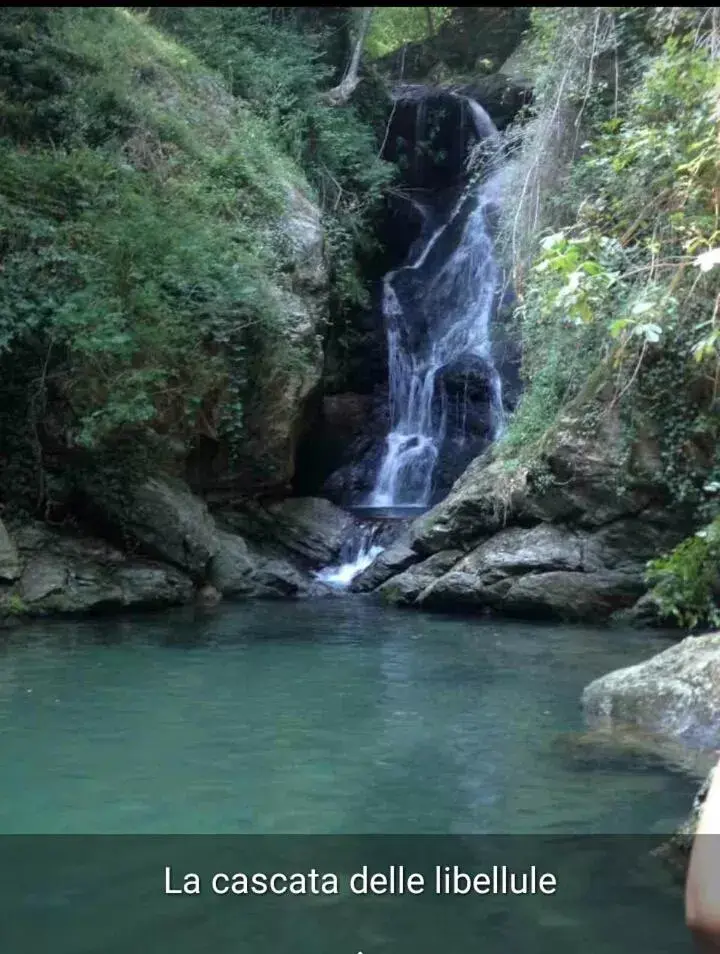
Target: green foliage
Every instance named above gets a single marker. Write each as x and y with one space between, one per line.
392 27
139 204
686 582
616 289
283 73
14 605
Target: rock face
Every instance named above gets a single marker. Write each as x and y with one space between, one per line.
287 369
173 524
67 575
568 539
182 554
310 529
472 40
674 694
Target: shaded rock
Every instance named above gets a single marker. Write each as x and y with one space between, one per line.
238 570
311 527
631 541
208 595
477 506
473 40
405 588
307 528
394 560
537 572
231 568
629 749
572 596
68 575
675 694
646 612
287 370
10 566
582 481
337 438
173 524
278 579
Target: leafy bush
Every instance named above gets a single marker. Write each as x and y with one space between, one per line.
616 286
686 582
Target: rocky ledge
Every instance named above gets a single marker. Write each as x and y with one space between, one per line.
174 551
672 701
567 538
675 694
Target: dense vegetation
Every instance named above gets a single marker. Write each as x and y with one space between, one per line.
141 186
612 232
147 158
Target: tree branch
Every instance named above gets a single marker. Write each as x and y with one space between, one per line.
341 93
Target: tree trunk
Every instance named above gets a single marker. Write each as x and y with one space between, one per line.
344 90
430 23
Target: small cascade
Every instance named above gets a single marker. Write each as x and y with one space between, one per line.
357 553
438 309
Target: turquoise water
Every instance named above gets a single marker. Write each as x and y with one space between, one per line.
334 717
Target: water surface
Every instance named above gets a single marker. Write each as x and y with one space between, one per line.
332 716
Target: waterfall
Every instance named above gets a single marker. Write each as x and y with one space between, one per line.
358 552
437 309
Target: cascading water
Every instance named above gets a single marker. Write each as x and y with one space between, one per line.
358 552
438 309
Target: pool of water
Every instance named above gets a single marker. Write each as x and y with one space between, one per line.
329 718
333 716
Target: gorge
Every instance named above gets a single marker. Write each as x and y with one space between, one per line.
399 404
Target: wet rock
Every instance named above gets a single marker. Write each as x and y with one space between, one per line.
231 568
394 560
675 694
10 566
628 749
405 588
208 595
645 613
71 575
278 579
310 529
172 523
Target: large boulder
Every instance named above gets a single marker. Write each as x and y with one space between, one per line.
395 559
232 568
171 523
72 575
581 479
406 587
310 529
238 570
674 694
174 525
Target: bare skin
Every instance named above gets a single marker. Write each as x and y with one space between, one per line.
702 889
